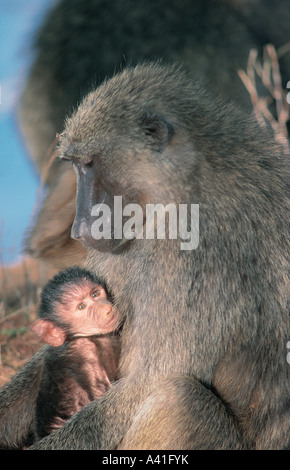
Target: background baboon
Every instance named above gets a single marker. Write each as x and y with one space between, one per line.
76 319
205 330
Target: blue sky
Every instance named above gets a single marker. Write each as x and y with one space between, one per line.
18 179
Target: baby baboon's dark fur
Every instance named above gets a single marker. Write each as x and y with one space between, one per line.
82 361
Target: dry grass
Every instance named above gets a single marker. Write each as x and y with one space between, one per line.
20 288
272 109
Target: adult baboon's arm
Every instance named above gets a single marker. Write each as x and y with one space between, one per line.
17 404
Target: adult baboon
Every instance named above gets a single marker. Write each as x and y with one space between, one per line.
81 43
203 362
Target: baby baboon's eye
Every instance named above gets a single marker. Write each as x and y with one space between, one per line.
81 306
96 293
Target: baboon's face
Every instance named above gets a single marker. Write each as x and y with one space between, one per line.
117 166
130 140
108 183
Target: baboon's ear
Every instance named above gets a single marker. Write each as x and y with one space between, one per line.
49 332
156 128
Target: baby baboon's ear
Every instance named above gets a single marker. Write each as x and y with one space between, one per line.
157 129
49 332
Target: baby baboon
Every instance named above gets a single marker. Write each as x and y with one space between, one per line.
76 318
205 331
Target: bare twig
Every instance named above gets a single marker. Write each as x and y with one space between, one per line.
269 72
278 91
283 50
13 314
254 97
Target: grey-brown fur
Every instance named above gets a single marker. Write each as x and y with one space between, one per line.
81 43
203 361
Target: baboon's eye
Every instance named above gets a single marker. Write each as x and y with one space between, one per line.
89 163
81 306
96 293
